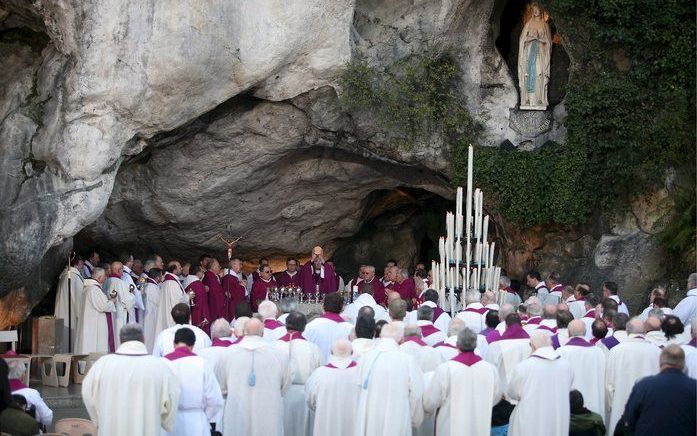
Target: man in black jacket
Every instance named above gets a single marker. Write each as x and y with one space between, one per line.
663 403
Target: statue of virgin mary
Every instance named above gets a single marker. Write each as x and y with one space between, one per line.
535 50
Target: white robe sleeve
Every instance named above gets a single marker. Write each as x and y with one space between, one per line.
170 400
416 389
311 391
515 384
99 301
214 398
437 391
90 392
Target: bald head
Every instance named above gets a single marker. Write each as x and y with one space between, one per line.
117 268
635 326
456 326
652 324
504 311
540 340
672 356
239 325
549 311
268 309
393 296
393 330
577 328
254 327
220 329
342 348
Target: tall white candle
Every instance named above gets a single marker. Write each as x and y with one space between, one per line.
491 254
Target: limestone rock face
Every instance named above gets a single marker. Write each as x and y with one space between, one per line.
162 125
116 74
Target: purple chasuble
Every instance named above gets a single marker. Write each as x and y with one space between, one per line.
493 336
437 312
610 342
579 342
514 331
309 280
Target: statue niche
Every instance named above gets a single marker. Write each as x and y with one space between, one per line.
534 53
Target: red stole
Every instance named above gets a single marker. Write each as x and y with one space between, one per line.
272 324
428 330
480 311
332 316
468 358
291 336
179 352
534 320
217 342
16 384
110 330
444 344
416 340
590 314
351 365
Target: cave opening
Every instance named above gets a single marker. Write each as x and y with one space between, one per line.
401 224
511 16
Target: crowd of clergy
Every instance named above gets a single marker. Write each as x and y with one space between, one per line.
196 348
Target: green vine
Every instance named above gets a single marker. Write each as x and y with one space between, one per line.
630 104
415 97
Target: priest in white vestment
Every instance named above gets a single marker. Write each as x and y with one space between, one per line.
441 318
365 299
332 392
131 392
76 293
254 375
95 333
171 293
512 348
463 391
152 301
427 357
201 402
540 384
220 340
324 330
303 358
473 314
125 300
273 329
388 376
627 362
364 341
429 333
136 314
220 336
588 365
181 315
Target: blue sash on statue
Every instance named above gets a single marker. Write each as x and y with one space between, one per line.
532 67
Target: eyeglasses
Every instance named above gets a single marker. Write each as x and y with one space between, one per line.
268 271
